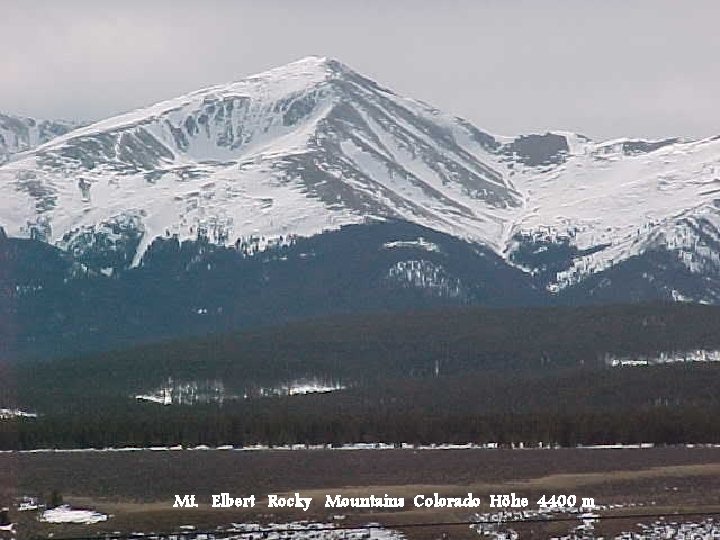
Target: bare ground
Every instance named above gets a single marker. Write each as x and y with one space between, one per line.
138 488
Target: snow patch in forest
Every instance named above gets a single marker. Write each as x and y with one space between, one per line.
15 413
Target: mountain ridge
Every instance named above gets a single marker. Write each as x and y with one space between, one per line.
21 134
312 146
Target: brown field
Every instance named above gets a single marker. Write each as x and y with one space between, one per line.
138 488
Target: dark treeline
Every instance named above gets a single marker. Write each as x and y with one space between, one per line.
374 348
662 404
61 302
455 375
58 303
193 427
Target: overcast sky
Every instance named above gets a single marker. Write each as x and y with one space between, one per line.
603 68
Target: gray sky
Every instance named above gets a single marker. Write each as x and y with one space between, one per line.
603 68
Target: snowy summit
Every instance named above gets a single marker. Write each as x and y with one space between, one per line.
313 145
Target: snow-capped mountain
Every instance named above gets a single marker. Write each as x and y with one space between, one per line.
20 134
295 150
313 145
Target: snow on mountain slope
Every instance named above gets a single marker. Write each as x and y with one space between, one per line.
18 134
313 145
295 150
614 200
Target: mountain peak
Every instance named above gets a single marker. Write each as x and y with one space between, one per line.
312 145
297 149
307 66
321 61
272 85
313 59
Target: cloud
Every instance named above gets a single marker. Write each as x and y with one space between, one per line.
642 68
